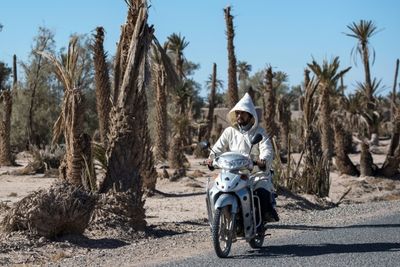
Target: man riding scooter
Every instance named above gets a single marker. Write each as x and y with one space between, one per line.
236 138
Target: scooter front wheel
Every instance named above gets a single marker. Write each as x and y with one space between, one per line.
258 240
223 227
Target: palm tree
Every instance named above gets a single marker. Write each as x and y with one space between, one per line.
102 83
15 75
315 173
161 141
363 31
5 128
176 44
328 75
211 101
279 82
370 113
352 112
243 70
393 104
128 150
233 96
284 116
164 77
5 117
70 122
269 101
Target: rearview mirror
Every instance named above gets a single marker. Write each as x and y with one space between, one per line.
256 139
204 144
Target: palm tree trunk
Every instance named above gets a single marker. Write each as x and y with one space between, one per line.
102 83
269 102
233 96
147 168
175 156
284 123
393 104
73 110
366 161
367 73
15 77
391 165
342 160
5 128
161 147
326 128
211 104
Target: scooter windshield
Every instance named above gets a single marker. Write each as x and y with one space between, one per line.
233 161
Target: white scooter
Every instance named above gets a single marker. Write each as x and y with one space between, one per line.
232 204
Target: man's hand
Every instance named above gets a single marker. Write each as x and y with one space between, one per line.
261 164
209 163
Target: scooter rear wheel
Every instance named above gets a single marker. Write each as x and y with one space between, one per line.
223 227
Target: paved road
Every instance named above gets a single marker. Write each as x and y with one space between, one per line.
374 242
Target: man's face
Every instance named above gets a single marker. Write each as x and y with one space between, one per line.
242 117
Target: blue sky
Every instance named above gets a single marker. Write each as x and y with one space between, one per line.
285 34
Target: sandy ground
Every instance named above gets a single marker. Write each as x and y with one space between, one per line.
180 205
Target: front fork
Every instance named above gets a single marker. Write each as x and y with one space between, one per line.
209 209
253 199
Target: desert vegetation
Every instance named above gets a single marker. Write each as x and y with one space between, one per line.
121 122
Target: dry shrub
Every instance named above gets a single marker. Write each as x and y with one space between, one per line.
314 178
117 214
43 161
194 185
197 173
61 209
177 174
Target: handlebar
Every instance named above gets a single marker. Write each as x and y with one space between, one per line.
210 167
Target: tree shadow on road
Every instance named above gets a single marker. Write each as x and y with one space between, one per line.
163 194
85 242
301 227
321 249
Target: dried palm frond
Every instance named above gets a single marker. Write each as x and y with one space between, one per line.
165 61
100 155
310 104
61 209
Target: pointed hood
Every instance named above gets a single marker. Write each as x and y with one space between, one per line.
244 104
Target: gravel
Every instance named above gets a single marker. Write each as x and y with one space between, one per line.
166 241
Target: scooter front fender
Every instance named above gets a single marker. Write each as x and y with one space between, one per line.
226 200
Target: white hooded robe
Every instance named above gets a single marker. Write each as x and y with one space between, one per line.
234 140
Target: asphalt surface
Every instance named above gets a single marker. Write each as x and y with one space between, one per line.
373 242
